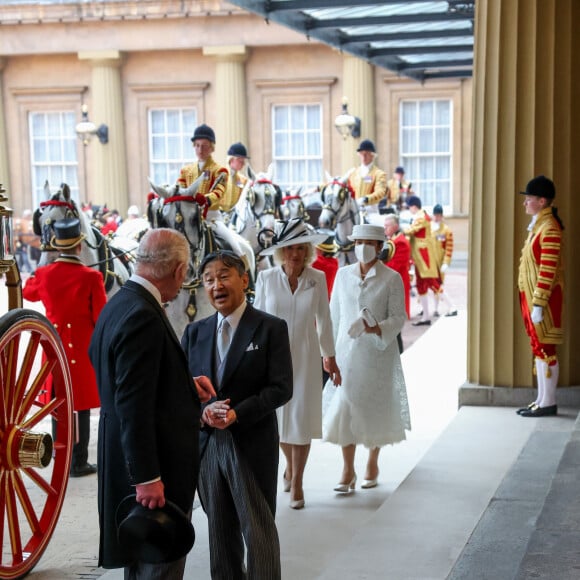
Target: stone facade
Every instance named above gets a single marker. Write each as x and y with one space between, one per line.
122 58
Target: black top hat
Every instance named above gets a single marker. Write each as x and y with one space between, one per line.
540 186
204 132
238 150
156 535
367 145
67 234
400 170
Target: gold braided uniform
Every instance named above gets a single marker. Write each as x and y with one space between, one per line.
234 187
373 185
541 283
211 170
444 239
397 191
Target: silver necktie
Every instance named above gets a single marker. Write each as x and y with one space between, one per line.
223 339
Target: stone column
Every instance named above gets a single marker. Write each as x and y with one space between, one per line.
230 96
109 182
359 89
526 123
4 167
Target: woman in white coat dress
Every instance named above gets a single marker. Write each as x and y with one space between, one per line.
368 311
298 294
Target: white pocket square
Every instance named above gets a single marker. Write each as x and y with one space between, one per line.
252 346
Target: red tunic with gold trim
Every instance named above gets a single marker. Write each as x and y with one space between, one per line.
73 296
424 253
208 187
541 283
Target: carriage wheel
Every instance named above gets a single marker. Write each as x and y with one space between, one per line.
33 469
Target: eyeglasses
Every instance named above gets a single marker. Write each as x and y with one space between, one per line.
222 278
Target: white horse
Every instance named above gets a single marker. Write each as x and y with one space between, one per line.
340 213
293 205
114 261
176 208
257 210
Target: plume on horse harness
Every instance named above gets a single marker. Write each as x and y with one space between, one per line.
106 253
334 204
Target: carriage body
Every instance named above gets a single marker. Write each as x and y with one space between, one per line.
34 465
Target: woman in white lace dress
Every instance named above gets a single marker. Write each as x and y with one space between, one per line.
297 293
368 311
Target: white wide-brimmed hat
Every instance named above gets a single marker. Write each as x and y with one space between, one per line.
292 232
367 232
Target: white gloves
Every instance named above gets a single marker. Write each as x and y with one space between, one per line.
444 268
358 327
537 314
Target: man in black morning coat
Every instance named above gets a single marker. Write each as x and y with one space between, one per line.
239 440
150 410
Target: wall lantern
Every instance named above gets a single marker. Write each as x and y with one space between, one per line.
86 129
347 124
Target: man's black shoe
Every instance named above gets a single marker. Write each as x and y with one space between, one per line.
422 323
540 411
86 469
452 313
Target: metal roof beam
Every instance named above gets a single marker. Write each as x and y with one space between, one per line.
456 74
389 37
435 64
397 50
313 24
277 6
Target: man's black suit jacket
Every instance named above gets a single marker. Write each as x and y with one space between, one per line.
257 379
150 410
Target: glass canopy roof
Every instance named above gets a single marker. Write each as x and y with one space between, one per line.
420 39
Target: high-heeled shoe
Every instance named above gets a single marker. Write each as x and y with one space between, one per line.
346 487
368 483
297 504
287 482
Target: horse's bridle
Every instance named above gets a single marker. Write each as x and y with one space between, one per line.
344 245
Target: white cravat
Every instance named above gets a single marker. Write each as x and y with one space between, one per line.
223 339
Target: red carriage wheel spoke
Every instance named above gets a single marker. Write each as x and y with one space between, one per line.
42 413
25 502
25 372
13 524
33 392
44 485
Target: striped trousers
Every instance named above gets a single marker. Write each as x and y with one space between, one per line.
237 513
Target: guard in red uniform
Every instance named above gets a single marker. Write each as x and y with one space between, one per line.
541 286
326 261
73 296
397 255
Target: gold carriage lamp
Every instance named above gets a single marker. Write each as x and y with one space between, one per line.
6 234
347 125
86 129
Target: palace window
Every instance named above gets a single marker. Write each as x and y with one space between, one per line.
297 145
170 148
53 152
426 145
